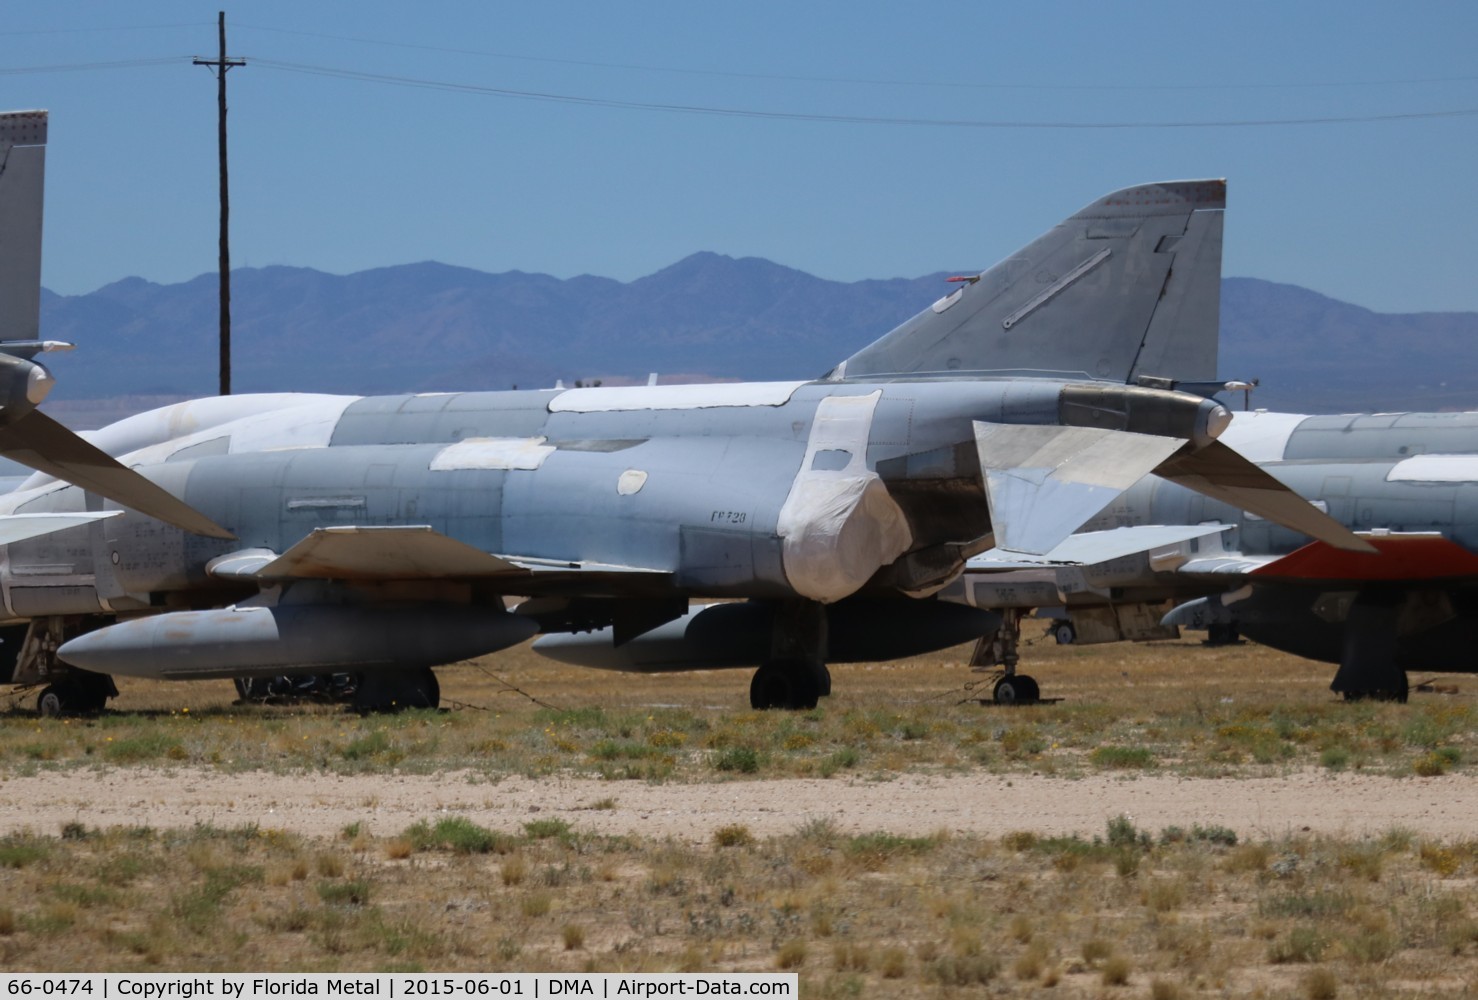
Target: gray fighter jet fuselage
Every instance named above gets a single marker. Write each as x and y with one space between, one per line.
622 503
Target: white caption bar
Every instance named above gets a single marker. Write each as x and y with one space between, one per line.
397 986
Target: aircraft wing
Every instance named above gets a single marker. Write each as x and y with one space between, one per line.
1043 481
397 552
19 527
1395 556
1219 472
1088 548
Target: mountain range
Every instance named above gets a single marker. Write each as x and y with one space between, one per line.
430 326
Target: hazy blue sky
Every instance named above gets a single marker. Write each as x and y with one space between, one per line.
343 174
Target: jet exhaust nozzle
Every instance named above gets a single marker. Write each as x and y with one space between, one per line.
1141 410
23 385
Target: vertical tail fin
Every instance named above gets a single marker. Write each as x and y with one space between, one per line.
1128 287
22 173
27 435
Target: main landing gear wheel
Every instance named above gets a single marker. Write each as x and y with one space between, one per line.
79 693
1222 634
1064 633
396 690
1017 689
790 684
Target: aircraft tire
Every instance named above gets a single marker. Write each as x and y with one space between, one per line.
1017 689
1031 692
395 691
88 700
1222 634
88 694
1064 633
767 688
432 687
788 684
823 678
52 702
806 683
1400 694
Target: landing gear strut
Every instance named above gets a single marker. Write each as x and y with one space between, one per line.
30 658
998 651
318 687
795 675
1368 668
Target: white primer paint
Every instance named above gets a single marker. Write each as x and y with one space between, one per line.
616 399
182 420
631 482
254 422
1435 469
1261 436
839 526
309 425
493 453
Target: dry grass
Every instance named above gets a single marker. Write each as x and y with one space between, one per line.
1177 707
959 913
1175 913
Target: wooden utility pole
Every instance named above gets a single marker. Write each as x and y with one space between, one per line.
220 65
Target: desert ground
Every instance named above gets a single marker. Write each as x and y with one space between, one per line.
1185 820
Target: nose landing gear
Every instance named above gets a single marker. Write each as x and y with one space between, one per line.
997 652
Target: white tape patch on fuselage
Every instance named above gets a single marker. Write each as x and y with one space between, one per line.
839 525
492 453
617 399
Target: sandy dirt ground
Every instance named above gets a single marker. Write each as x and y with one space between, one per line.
321 805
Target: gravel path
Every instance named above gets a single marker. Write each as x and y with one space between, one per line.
321 805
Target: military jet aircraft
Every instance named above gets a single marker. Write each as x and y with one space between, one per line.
1408 482
282 534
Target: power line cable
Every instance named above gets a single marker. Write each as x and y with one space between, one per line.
694 109
733 74
795 78
75 67
754 113
117 27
